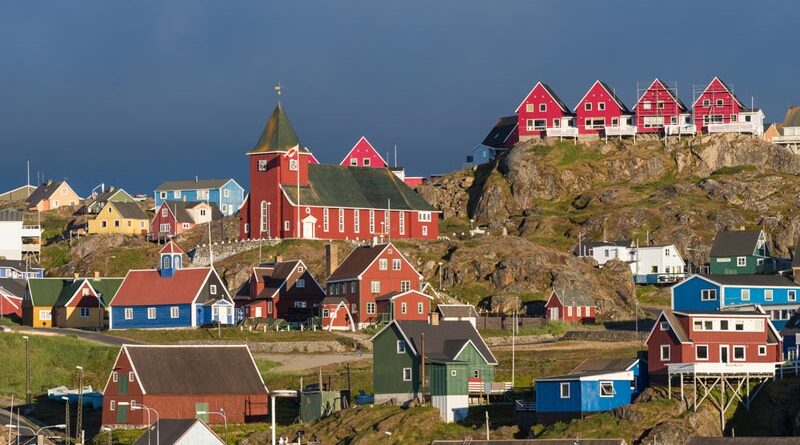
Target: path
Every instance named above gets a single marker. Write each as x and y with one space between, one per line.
302 362
93 336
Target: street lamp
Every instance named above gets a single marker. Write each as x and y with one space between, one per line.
79 415
35 432
27 372
137 406
440 275
221 412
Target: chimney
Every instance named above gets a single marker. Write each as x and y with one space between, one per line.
49 182
375 240
75 275
111 188
331 259
278 259
435 318
96 275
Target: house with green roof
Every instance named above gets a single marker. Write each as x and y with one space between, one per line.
293 196
68 302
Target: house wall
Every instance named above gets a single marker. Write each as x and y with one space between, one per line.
654 363
335 320
662 259
116 223
364 150
388 367
591 401
228 205
686 296
412 302
729 265
63 196
657 92
474 362
174 227
548 397
198 434
11 305
32 316
597 93
537 96
390 281
140 320
780 295
715 90
11 240
570 313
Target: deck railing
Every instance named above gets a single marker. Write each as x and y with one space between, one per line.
679 129
622 130
736 128
562 132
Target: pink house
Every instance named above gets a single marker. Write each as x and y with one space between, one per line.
363 154
600 112
659 110
542 113
718 110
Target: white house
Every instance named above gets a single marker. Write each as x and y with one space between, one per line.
16 239
649 264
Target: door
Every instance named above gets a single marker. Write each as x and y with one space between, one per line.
222 316
308 228
122 414
723 354
554 313
257 312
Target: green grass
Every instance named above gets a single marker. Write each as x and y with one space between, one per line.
653 296
724 171
472 292
55 255
452 225
555 328
172 336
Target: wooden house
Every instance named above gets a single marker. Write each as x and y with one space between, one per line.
171 296
713 342
225 193
122 217
363 154
718 110
175 217
281 290
502 137
570 305
96 202
68 302
179 432
293 197
52 195
595 385
543 114
457 312
601 113
184 382
20 269
335 314
773 133
456 362
12 292
786 133
659 110
370 272
408 305
743 252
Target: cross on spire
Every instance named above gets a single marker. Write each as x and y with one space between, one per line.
277 89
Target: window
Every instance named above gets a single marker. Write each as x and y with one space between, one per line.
453 373
701 352
325 313
164 228
646 105
371 308
403 308
587 106
792 295
63 190
226 193
383 264
539 124
203 212
269 307
84 312
341 220
131 376
708 295
556 123
174 312
371 221
660 105
569 311
739 353
476 373
615 122
356 221
664 326
664 353
601 106
768 295
163 195
741 261
325 219
176 193
103 224
114 376
723 325
402 222
354 162
264 208
164 212
424 230
424 217
565 390
606 389
112 405
529 124
578 311
762 350
706 103
128 313
720 102
396 264
300 304
293 165
406 374
420 308
185 225
542 107
733 118
352 287
653 121
151 313
595 123
529 108
401 346
375 287
262 165
366 162
215 312
405 286
745 294
287 226
739 326
212 289
301 283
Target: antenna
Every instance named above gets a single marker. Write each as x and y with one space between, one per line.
29 179
395 155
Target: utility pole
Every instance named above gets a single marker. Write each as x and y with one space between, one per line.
27 372
66 420
79 416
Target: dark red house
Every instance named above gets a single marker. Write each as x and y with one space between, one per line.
714 340
283 289
658 108
291 197
572 306
175 217
12 292
184 382
542 113
368 273
601 112
409 305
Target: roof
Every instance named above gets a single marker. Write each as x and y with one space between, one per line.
193 184
333 300
147 287
724 85
55 292
187 370
181 209
392 295
274 276
171 247
20 265
677 327
356 187
792 118
457 310
574 297
171 430
752 280
742 441
533 442
108 194
595 367
355 263
278 135
129 210
443 342
14 286
43 191
623 108
587 245
502 130
735 243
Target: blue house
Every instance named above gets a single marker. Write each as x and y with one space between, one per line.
171 296
226 193
20 269
775 294
595 385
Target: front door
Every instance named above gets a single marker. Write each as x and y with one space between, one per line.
222 316
554 313
122 414
723 354
308 227
257 312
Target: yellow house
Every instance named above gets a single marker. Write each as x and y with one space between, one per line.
68 303
120 217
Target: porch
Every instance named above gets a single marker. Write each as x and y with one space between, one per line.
680 129
562 132
737 127
621 130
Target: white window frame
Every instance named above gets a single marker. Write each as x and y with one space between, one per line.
375 286
424 230
420 308
706 103
287 226
128 313
401 346
151 313
697 352
665 357
424 217
112 405
176 193
719 103
791 294
226 193
162 195
396 264
371 308
741 261
325 219
529 108
293 165
604 383
131 377
356 221
542 107
664 326
587 106
262 165
383 264
708 295
371 221
300 283
407 374
212 289
405 285
365 162
402 223
115 376
174 312
341 220
745 294
762 350
744 353
561 390
601 106
404 308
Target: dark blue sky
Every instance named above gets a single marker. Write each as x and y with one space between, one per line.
135 92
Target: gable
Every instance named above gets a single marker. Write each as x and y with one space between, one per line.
543 89
365 147
599 87
470 354
717 86
657 86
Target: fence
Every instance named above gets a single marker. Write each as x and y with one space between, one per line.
490 320
225 249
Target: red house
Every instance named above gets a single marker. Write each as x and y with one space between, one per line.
659 110
291 197
363 154
572 306
283 289
184 382
718 110
335 314
601 112
12 291
712 342
175 217
409 305
542 113
368 273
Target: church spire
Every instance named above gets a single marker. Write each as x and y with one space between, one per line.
278 134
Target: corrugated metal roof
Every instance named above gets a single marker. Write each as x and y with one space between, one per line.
129 210
193 184
792 118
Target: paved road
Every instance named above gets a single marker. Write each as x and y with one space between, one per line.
26 437
97 337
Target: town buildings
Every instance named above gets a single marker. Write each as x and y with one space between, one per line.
542 114
718 110
659 110
21 269
52 195
123 217
600 112
743 252
570 305
175 217
96 202
180 432
12 293
280 290
68 302
226 193
786 133
18 240
649 264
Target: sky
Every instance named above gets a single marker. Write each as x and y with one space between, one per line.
132 93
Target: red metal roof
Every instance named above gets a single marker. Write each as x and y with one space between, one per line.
171 247
147 287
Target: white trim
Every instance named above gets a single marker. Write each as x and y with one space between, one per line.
402 294
669 92
469 341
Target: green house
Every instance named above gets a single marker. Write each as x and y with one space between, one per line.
456 360
743 252
97 202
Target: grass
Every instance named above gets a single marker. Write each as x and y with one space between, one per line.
55 255
653 296
173 336
336 375
449 226
472 292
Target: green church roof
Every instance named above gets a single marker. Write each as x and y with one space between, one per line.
278 134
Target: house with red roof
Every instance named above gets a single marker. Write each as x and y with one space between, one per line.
367 274
660 111
718 110
281 290
171 296
543 114
600 112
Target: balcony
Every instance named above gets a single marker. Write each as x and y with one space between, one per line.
786 140
562 132
679 129
736 127
740 368
622 130
31 231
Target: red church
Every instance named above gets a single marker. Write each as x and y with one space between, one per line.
659 110
293 197
542 113
601 112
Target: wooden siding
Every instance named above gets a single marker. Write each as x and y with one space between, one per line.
388 365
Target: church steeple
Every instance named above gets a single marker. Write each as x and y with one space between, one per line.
171 259
278 134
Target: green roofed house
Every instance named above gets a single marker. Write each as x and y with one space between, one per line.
68 302
98 200
449 356
743 252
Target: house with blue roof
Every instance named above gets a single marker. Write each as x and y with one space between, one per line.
226 193
775 294
593 386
